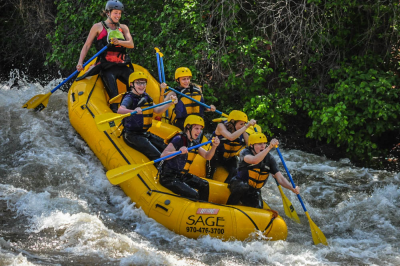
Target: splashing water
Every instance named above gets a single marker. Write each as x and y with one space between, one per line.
59 208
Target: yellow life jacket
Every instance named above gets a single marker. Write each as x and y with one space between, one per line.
257 177
191 106
228 148
139 122
185 106
255 174
232 148
182 161
147 116
191 154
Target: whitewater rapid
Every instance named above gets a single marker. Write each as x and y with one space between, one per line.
58 208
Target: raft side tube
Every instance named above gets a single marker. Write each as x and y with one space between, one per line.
87 99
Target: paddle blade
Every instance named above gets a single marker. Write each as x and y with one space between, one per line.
266 206
219 120
109 120
317 235
38 102
288 207
253 129
118 175
116 98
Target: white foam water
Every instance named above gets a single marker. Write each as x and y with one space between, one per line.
58 207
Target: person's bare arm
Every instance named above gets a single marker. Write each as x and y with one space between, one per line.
210 153
123 110
161 109
94 31
285 183
255 159
170 149
221 130
128 43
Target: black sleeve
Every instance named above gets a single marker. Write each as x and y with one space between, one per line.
177 141
243 153
272 164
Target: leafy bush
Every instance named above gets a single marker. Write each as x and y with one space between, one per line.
24 25
274 59
363 105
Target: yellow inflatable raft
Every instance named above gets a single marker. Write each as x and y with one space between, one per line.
87 99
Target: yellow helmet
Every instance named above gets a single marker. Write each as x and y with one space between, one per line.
182 72
194 120
237 115
137 75
257 137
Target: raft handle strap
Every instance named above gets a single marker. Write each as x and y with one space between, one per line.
274 215
161 207
90 95
122 132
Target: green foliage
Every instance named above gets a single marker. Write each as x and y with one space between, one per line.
181 29
272 59
270 111
363 105
73 23
23 26
172 27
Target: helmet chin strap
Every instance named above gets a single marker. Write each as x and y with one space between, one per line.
252 148
112 21
133 87
190 131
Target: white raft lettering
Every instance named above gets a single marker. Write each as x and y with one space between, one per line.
209 221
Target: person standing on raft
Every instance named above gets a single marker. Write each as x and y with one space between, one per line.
185 106
233 136
255 165
174 172
114 63
135 126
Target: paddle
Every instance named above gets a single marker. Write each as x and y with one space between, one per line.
196 101
40 101
158 64
126 172
161 75
288 206
316 233
162 66
219 119
116 98
110 120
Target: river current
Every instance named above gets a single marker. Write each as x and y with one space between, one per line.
58 208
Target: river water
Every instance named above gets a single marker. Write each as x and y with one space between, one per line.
58 208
